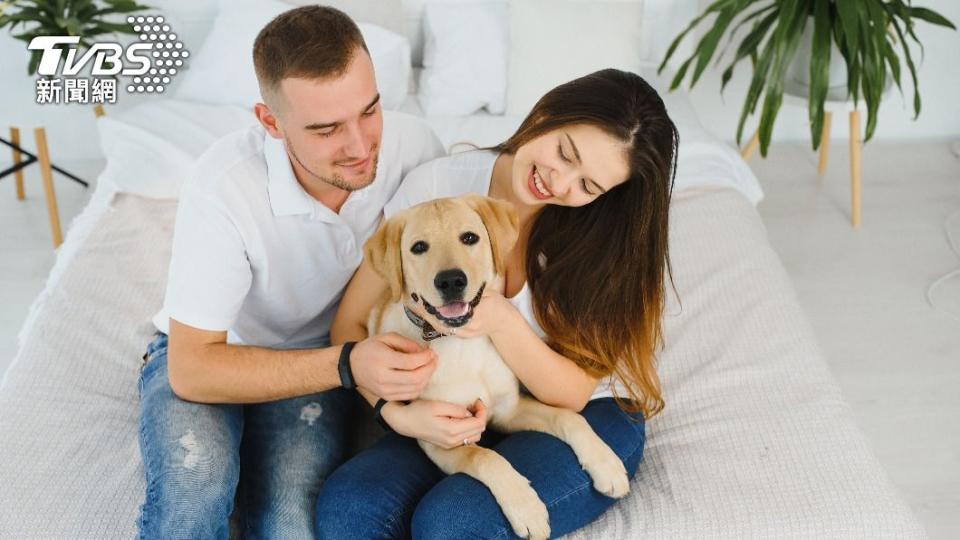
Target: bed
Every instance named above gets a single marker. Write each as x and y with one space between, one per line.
756 440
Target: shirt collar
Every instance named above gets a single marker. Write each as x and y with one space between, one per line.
287 196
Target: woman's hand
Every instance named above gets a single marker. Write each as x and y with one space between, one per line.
444 424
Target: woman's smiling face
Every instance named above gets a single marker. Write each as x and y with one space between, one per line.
569 166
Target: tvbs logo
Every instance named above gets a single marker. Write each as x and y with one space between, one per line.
148 64
107 57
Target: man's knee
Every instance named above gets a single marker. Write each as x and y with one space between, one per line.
192 496
191 462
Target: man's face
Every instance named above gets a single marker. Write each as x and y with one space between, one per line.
332 127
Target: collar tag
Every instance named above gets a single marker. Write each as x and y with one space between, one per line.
428 332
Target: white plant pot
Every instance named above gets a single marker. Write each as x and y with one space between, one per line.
798 73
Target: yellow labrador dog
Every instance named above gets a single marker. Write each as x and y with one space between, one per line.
441 255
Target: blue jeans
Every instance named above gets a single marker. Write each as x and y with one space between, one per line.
193 455
393 490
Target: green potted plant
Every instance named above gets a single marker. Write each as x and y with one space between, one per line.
83 18
867 34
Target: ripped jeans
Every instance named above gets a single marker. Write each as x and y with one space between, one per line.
200 459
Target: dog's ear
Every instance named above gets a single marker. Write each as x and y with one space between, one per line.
502 225
383 252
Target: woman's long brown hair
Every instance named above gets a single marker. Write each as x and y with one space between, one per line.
597 272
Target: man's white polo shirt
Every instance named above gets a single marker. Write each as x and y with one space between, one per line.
255 255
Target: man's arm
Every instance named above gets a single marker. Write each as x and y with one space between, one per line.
203 368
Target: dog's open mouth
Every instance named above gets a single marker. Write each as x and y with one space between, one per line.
454 314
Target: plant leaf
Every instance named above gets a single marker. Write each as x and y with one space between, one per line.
819 68
874 69
903 11
749 45
894 61
119 28
681 73
911 67
708 44
931 17
716 6
793 18
849 18
760 71
739 25
34 62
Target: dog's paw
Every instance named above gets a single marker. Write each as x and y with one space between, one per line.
608 473
526 513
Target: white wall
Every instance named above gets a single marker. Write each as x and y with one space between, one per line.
72 133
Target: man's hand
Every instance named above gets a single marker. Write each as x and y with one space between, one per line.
392 366
444 424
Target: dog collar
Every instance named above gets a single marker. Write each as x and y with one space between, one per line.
428 332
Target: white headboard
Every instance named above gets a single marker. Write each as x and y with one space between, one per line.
663 20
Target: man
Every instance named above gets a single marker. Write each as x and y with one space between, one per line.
242 400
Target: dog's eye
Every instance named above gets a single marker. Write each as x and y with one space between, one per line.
419 247
469 238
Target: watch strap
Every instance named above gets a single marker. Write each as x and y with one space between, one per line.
379 416
343 366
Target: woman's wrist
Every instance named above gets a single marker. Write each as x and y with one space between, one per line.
510 327
507 318
392 414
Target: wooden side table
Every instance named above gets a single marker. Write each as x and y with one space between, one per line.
795 94
46 172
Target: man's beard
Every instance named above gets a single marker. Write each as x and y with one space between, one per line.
337 180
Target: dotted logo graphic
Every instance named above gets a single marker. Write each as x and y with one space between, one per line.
167 57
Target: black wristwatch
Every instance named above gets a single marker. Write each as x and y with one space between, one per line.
343 366
378 416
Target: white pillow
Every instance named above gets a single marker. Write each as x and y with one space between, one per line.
390 53
464 58
222 72
580 37
152 147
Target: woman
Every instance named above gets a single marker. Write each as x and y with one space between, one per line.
590 173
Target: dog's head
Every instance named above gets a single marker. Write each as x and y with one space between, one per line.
442 253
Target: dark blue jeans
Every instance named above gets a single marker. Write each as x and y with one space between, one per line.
198 459
393 490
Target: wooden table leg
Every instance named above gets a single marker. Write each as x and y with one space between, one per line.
43 155
855 167
15 139
824 142
751 146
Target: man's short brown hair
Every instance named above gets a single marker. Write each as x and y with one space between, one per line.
309 42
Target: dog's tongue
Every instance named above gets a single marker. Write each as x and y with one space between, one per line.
453 310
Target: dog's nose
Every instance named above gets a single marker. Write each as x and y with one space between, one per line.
451 284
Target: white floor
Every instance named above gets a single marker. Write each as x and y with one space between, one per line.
897 359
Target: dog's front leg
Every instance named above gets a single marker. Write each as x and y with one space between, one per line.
601 463
520 503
